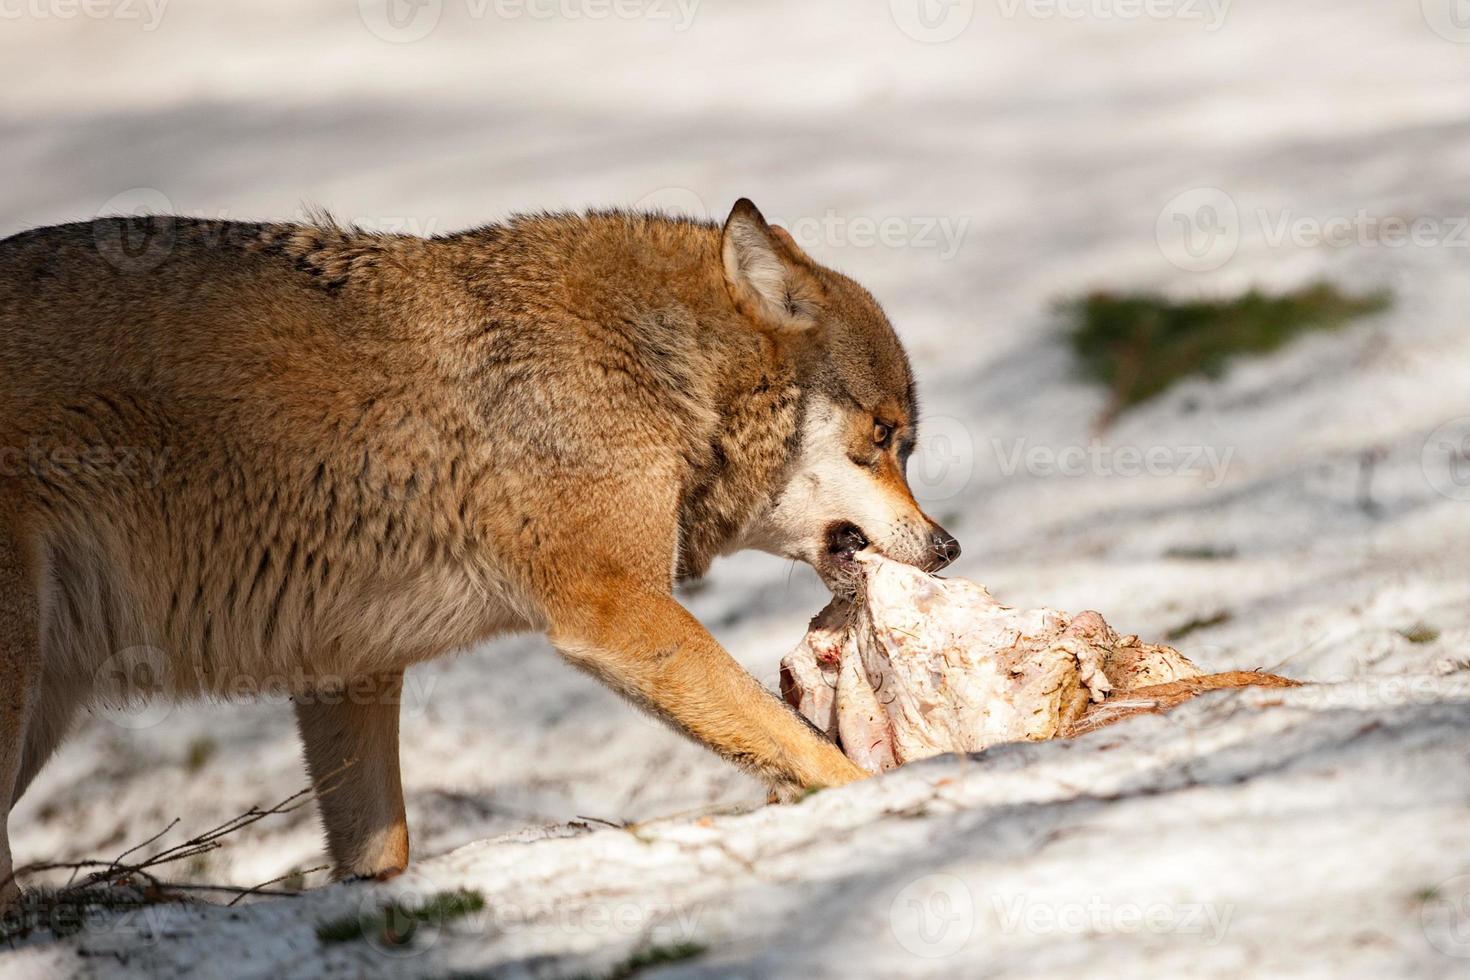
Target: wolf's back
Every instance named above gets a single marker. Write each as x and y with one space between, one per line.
151 303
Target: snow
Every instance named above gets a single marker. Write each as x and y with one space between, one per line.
1311 832
1287 833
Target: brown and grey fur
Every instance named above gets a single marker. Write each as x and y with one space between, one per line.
314 456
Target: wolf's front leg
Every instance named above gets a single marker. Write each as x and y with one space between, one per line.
648 647
350 736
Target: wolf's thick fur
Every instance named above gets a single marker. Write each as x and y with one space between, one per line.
308 457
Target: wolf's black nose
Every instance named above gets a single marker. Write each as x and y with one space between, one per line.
946 549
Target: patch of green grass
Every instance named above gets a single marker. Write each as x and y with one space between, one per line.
342 930
1420 633
448 906
1138 344
651 956
200 751
1202 622
197 868
1202 552
397 924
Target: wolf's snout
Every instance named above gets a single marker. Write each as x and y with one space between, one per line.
944 549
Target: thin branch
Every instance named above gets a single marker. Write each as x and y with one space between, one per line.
117 869
290 874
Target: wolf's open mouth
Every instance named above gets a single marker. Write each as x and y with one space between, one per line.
845 540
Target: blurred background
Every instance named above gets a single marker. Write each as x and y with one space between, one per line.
1064 205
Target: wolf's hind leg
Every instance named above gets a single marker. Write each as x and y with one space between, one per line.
20 674
55 709
350 738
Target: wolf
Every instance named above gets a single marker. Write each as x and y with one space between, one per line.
314 456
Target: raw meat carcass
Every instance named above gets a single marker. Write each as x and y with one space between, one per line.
922 665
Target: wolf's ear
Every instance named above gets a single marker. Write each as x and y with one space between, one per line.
769 277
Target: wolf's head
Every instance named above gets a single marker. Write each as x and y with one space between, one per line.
845 488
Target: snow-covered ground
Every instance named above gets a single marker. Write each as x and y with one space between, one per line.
1314 497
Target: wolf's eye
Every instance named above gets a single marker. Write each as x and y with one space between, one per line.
882 434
